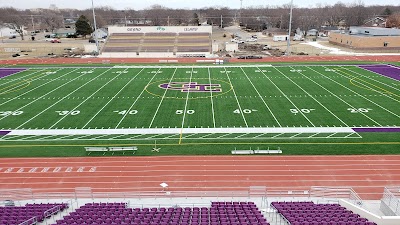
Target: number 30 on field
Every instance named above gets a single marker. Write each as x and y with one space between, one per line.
65 113
10 113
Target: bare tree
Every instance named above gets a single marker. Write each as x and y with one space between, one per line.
12 18
52 20
393 20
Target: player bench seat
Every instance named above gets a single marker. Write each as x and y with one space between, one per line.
96 149
123 149
242 152
267 151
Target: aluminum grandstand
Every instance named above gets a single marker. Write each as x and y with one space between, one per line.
149 42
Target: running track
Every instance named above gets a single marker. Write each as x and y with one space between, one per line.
366 174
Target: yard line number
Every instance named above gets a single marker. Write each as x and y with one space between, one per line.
305 111
246 111
180 111
11 113
71 113
359 110
129 112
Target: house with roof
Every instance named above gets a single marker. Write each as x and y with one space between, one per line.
376 21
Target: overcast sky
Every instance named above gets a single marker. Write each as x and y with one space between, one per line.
135 4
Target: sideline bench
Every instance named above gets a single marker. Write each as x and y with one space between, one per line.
257 151
267 151
242 152
123 149
96 149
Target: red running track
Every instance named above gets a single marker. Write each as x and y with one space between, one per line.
366 174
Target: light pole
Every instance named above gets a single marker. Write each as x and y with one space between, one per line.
95 28
290 28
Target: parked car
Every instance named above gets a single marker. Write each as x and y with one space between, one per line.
55 41
12 37
267 47
92 41
250 57
251 40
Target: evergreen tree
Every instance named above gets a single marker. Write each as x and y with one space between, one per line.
195 20
83 27
387 11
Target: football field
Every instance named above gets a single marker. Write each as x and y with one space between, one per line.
189 103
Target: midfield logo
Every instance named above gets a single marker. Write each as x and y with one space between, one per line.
191 87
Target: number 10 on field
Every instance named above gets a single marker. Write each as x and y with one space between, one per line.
305 111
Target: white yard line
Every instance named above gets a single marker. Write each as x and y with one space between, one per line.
212 100
189 135
137 98
241 135
186 102
259 95
258 136
176 131
348 104
222 136
330 135
20 78
352 71
161 101
380 92
295 135
61 98
237 100
360 94
87 98
197 66
316 99
38 97
111 99
294 105
383 92
35 88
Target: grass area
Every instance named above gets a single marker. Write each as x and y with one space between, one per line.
161 98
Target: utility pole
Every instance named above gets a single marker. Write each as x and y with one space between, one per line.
240 11
290 28
95 28
168 20
221 21
33 24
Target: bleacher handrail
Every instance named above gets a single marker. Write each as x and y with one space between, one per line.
391 199
30 221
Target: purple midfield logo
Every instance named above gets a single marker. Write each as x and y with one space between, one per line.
191 87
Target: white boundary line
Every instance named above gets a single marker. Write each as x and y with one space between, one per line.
259 95
162 99
286 95
237 100
212 100
137 98
111 99
207 131
336 95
